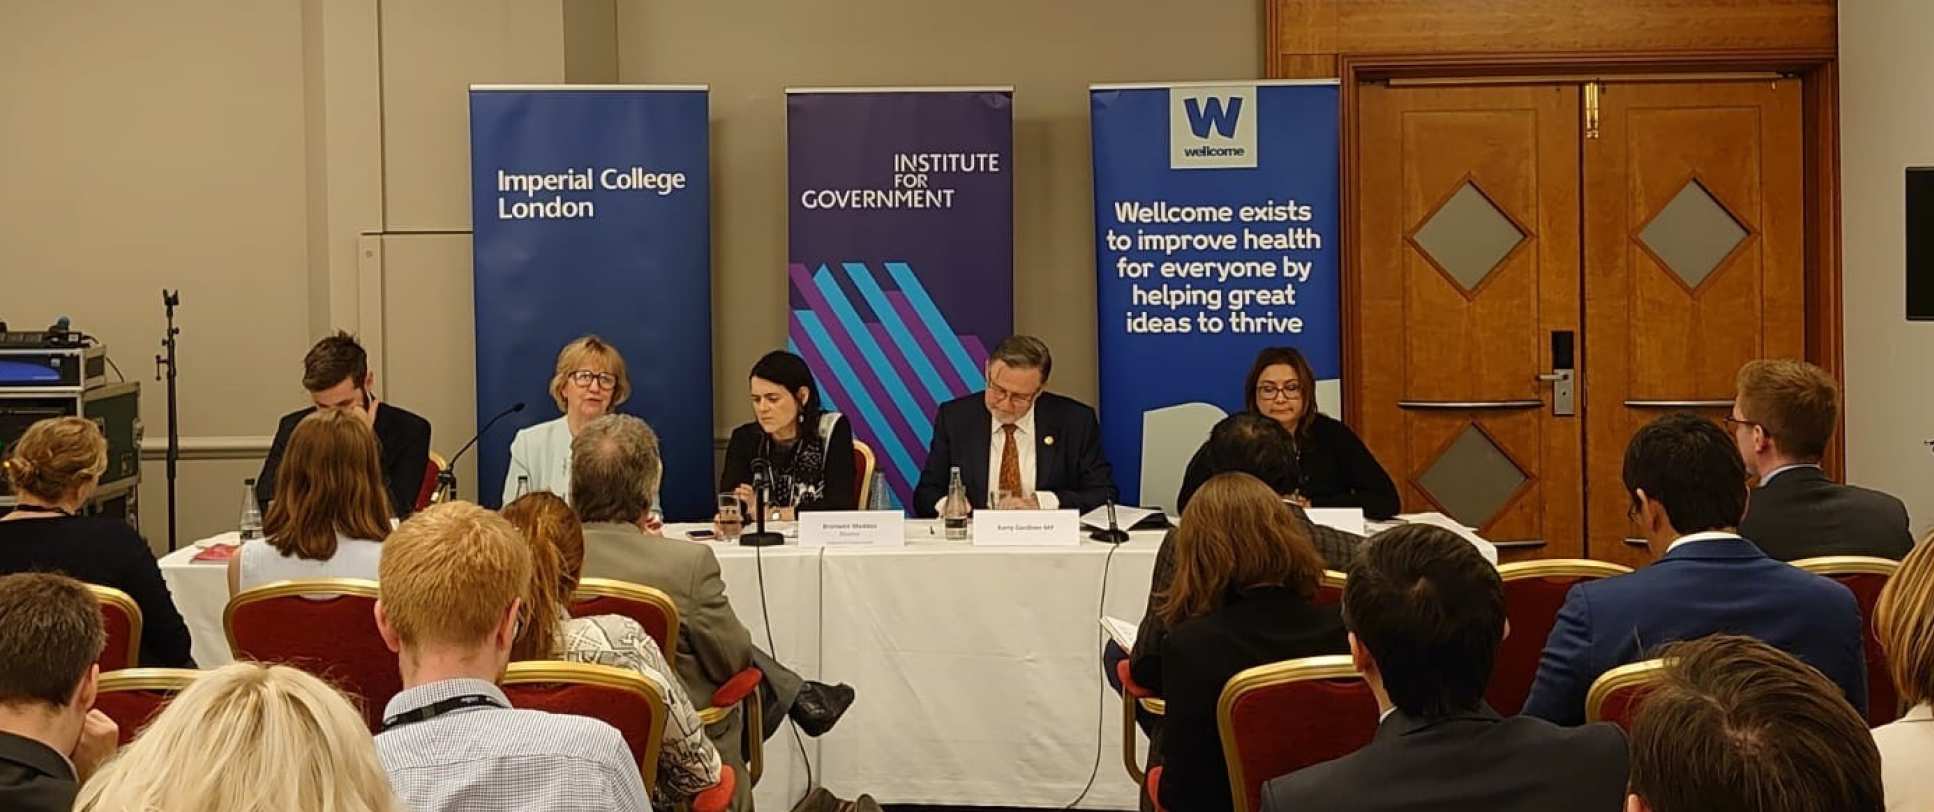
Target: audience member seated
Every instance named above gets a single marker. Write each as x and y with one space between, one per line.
1740 725
248 736
336 373
687 763
1782 420
1041 450
329 515
53 469
615 467
51 738
1240 597
1688 490
1904 622
804 451
452 582
1425 612
1336 468
588 381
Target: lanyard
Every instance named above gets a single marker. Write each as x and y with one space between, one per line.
432 711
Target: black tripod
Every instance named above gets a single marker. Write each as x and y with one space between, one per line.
167 361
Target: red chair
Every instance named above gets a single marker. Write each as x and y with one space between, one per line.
426 493
1534 591
1616 694
658 613
132 697
325 626
1282 717
1329 589
1134 696
122 618
863 464
1865 575
619 697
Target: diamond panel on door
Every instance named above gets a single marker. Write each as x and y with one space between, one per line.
1467 237
1472 479
1693 234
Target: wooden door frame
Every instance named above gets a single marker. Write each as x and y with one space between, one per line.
1817 71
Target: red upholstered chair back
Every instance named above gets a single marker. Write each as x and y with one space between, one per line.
1865 576
1285 716
1616 694
863 471
132 697
1534 591
1329 590
426 492
653 609
122 618
619 697
325 626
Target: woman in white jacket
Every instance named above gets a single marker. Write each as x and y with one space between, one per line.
589 382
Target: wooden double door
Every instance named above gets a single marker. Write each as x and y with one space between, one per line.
1635 242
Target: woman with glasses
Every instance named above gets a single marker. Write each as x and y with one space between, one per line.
802 451
1338 470
590 380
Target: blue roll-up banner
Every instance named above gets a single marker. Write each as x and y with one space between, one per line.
1215 236
591 213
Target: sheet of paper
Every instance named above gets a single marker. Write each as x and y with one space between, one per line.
1348 520
1120 631
1125 517
1435 519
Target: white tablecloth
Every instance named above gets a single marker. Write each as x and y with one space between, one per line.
978 669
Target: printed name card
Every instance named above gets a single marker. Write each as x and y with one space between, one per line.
849 528
1027 528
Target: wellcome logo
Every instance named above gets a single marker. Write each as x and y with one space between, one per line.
1212 127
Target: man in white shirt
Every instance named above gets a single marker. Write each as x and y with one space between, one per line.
1036 448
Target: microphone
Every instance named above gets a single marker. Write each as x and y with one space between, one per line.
1114 534
761 480
447 478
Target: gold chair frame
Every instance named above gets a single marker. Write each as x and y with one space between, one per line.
1560 568
306 587
1624 676
539 672
865 476
110 596
1304 669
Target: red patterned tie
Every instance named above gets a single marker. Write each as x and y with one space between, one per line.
1011 463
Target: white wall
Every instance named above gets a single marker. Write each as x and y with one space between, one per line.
1886 125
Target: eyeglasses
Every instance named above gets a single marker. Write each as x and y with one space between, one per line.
585 378
1002 394
1270 391
1735 422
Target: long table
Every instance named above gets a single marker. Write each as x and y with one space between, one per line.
977 668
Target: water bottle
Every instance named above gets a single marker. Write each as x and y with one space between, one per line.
877 497
251 513
953 514
523 485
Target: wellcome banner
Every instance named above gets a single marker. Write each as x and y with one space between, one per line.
901 268
591 214
1215 236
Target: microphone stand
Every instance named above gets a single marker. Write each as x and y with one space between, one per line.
1114 534
446 479
761 538
168 301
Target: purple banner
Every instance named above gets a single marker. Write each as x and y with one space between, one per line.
901 232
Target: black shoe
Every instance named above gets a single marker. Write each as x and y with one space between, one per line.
819 706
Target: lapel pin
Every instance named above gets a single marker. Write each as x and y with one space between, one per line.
1048 440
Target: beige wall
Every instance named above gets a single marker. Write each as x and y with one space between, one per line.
299 165
1886 125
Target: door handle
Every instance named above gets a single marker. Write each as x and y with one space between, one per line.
1469 404
1678 404
1564 370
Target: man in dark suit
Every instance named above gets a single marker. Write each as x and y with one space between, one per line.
1688 490
1782 418
1426 613
1042 449
51 739
336 373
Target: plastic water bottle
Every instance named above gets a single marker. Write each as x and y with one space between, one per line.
877 497
953 514
251 524
523 485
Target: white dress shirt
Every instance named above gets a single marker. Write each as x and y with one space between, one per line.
1024 439
1906 746
1709 535
542 453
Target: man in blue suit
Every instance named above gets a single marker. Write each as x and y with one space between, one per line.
1688 491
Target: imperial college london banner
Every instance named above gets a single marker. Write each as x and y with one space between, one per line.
902 254
591 214
1215 236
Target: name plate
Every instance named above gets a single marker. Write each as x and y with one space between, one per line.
1027 528
852 528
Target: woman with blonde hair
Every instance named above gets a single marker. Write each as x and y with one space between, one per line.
330 513
1904 622
588 381
1242 595
687 763
247 738
52 470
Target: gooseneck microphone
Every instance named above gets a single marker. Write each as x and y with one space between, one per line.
761 480
1114 534
446 479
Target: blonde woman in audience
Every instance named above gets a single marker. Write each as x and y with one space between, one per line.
247 738
588 382
330 513
53 469
688 763
1904 622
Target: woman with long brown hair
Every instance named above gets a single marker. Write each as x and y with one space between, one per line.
1338 470
330 512
687 763
1242 595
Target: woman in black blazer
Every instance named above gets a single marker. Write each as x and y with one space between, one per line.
806 454
1338 469
1241 596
